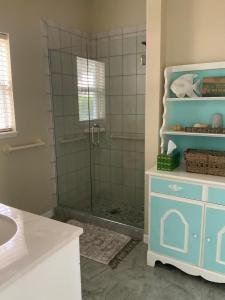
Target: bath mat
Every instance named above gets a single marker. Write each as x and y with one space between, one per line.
103 245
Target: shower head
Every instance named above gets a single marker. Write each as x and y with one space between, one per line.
143 43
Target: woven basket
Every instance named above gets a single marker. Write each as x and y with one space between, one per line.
216 163
205 130
205 162
196 161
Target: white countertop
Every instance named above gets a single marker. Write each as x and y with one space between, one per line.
36 239
180 173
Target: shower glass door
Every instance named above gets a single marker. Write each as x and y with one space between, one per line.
98 111
116 74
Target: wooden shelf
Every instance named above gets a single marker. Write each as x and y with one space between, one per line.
183 133
196 99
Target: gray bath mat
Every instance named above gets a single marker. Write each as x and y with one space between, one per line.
103 245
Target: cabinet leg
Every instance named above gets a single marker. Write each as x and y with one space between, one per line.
151 260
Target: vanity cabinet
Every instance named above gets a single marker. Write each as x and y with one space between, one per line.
186 232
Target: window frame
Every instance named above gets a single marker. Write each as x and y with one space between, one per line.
13 132
90 90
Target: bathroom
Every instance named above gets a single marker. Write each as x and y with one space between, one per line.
86 84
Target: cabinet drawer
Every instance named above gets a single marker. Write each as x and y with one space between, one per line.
176 188
216 195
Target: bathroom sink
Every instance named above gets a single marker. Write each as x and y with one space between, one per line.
8 229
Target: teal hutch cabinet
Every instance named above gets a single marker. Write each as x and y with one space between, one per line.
187 210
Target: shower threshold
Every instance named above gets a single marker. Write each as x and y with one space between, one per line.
63 213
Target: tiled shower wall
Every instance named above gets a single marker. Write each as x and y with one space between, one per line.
72 156
118 163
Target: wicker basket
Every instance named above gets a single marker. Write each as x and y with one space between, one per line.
205 130
216 163
205 162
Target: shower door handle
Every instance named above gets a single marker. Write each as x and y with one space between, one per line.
95 128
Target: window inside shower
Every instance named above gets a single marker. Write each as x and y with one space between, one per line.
91 89
98 95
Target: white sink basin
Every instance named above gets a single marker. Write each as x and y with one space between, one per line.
8 229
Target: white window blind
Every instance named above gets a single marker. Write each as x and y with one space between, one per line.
91 89
6 93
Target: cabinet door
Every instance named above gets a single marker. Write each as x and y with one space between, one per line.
214 240
175 229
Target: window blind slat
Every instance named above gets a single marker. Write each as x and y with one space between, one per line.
91 89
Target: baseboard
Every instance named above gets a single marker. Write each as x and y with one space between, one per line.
145 238
49 214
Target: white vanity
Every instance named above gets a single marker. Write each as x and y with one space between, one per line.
39 257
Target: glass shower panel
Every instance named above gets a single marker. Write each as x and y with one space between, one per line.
118 157
98 91
71 133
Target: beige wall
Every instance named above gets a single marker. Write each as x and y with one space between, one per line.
25 175
195 31
105 15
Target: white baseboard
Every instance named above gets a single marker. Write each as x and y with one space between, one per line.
48 214
145 238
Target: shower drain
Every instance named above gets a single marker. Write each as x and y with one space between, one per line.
114 211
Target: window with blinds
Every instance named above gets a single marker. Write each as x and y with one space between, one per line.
7 121
91 89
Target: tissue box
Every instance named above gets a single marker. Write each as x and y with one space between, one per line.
168 162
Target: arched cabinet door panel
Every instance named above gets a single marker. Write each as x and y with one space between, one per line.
175 229
214 240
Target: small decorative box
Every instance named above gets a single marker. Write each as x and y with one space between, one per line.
168 162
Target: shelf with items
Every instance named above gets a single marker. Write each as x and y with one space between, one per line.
170 99
184 133
187 112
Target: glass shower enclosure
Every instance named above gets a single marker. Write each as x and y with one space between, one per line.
98 87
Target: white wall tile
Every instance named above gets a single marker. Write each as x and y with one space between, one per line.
116 105
129 124
116 124
140 124
140 104
116 46
55 62
68 85
130 45
130 85
67 65
57 105
116 85
140 84
102 47
56 81
129 64
129 105
116 65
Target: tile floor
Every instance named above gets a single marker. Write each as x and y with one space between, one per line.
134 280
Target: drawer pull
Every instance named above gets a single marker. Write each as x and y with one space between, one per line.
195 236
208 240
175 187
